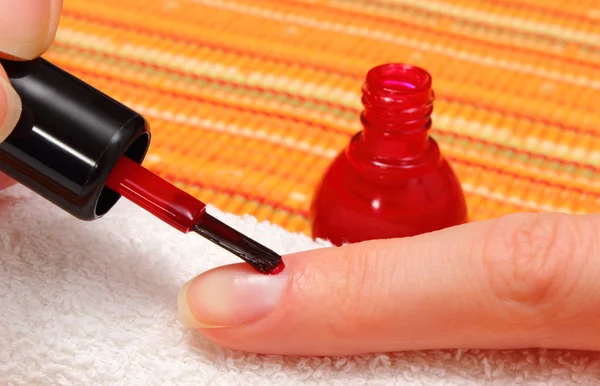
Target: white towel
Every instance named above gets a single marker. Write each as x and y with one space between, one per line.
95 304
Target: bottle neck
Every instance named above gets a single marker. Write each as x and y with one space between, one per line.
398 103
395 144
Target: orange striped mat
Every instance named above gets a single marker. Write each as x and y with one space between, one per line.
249 100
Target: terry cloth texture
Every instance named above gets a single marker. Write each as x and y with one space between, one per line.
95 304
249 100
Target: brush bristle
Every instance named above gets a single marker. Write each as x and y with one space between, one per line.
257 255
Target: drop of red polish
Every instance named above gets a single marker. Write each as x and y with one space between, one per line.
278 269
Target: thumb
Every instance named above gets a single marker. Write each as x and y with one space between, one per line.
525 280
10 107
27 29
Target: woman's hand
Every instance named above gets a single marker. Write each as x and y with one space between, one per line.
521 281
27 29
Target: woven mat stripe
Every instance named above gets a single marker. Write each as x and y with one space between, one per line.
571 116
249 34
249 105
586 130
126 91
548 161
489 154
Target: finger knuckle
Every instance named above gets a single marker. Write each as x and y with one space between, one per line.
535 259
361 287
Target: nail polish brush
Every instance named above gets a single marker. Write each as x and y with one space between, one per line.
82 150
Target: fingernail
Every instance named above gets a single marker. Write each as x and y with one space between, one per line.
229 296
12 102
28 28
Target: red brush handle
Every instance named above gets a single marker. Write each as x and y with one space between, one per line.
157 196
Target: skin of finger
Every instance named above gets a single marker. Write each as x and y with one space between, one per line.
5 181
28 30
526 280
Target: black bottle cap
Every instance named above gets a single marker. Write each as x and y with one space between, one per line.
69 138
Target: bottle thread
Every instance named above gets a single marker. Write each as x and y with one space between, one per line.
398 104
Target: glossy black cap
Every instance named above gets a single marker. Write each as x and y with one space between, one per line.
69 138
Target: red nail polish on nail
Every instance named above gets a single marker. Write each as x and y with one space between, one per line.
280 267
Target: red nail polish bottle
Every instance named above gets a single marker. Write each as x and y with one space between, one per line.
391 180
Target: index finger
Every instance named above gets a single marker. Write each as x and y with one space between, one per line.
526 280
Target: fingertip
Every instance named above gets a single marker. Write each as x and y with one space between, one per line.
28 30
186 315
55 11
229 296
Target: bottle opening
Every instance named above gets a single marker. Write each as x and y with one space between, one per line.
398 85
398 78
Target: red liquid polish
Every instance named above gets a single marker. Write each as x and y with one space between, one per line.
165 201
278 269
185 213
391 180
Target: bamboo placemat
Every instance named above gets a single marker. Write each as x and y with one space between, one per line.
249 100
